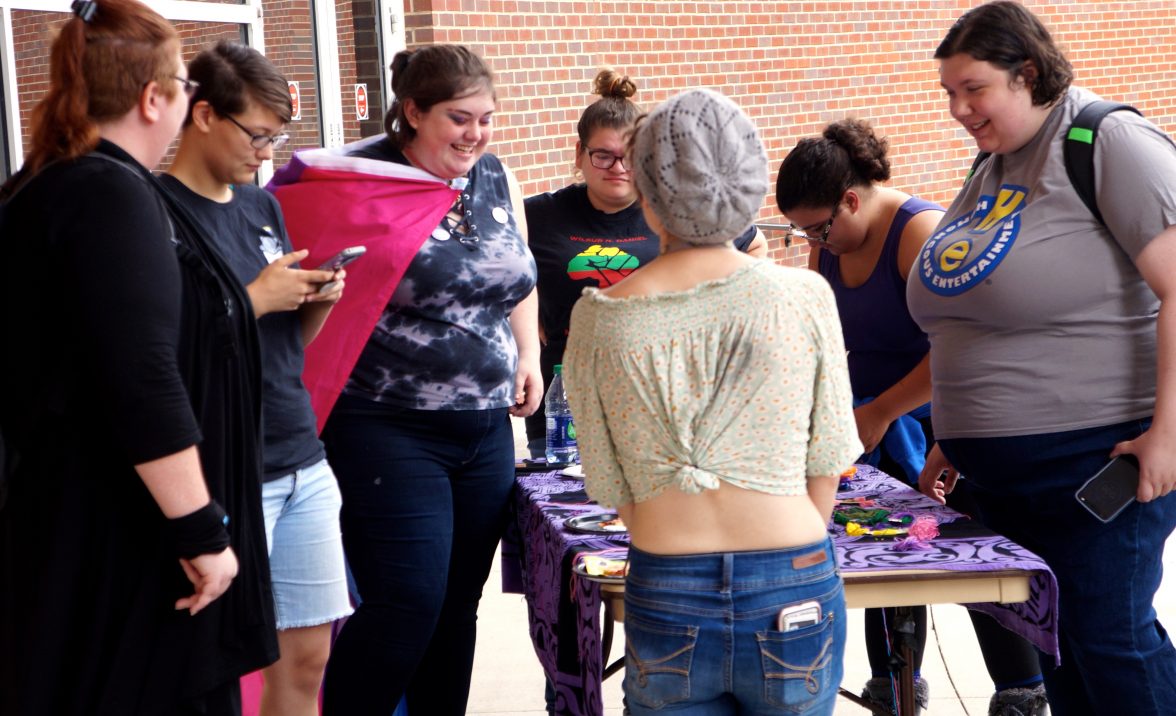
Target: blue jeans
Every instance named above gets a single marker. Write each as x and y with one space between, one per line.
1116 657
701 638
425 498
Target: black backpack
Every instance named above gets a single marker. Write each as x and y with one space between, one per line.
1078 151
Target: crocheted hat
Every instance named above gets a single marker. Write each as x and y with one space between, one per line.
699 164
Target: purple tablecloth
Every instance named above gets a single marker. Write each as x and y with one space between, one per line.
564 611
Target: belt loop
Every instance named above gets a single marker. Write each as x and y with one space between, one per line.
728 571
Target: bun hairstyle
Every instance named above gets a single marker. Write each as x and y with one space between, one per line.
819 170
429 75
99 64
613 110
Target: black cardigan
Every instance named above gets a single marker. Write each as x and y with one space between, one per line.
127 339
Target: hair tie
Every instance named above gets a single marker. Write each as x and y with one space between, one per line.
84 9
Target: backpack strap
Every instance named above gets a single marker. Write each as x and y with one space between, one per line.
976 164
1078 150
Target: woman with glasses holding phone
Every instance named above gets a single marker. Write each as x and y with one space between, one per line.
235 122
864 238
592 233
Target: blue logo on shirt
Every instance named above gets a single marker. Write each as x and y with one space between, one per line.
971 247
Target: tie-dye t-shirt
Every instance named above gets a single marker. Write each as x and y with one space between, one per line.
741 380
444 340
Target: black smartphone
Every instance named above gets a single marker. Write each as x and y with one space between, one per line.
337 262
1111 489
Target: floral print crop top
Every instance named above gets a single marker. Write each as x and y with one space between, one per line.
741 379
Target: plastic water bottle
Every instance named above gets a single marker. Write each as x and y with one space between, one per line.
561 432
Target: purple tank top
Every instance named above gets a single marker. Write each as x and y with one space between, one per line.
883 341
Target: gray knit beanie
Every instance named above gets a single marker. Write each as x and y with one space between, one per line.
700 166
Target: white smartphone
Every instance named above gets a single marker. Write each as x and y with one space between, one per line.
798 616
337 262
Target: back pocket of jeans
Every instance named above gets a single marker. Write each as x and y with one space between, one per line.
657 661
799 666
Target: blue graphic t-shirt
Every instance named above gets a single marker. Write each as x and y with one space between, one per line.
1038 319
444 340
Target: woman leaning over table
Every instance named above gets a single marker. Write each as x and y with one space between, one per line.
421 439
1052 349
133 573
717 432
592 233
864 238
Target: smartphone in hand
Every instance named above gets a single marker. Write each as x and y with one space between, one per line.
337 262
1111 489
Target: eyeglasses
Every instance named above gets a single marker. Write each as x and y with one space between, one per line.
604 159
261 141
190 86
803 232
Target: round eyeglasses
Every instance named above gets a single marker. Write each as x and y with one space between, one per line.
604 159
261 141
807 232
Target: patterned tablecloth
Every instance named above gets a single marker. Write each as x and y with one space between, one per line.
564 610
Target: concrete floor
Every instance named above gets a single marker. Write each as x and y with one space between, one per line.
508 680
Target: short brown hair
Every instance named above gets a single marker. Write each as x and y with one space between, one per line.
1007 35
230 74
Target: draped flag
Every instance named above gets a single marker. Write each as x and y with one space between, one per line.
332 201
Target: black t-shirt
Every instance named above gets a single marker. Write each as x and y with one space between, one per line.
249 234
576 246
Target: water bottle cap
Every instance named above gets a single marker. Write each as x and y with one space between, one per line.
557 369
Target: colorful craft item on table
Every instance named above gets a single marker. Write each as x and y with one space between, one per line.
843 514
919 535
859 501
853 529
846 480
900 518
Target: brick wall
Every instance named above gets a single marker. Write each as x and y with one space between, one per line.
792 66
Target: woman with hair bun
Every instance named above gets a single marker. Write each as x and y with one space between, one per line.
592 233
132 545
864 238
433 347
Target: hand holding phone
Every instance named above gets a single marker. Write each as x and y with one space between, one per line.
1111 489
337 262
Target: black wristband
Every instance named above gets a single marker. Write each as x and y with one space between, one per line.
204 531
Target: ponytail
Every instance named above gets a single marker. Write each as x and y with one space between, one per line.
99 64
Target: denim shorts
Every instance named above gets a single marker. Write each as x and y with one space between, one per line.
305 547
701 632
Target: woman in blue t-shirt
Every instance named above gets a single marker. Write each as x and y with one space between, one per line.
864 238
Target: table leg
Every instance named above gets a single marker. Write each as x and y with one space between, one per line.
609 598
906 674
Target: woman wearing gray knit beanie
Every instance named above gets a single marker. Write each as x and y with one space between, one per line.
718 433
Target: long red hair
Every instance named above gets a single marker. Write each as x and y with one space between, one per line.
97 72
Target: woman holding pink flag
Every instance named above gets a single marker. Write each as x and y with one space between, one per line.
430 351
